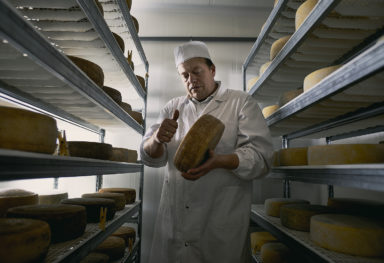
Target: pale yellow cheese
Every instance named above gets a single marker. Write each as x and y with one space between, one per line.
113 246
53 197
277 46
269 110
354 235
130 193
272 205
315 77
345 154
264 67
303 11
275 252
288 96
251 82
16 197
293 156
258 239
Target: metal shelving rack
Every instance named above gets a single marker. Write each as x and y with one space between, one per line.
34 72
352 94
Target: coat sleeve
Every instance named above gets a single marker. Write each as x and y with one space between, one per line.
254 142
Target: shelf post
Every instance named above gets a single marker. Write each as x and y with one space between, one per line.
287 188
331 192
99 178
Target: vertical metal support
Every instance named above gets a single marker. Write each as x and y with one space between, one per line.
244 78
140 218
284 142
287 188
99 178
331 192
56 183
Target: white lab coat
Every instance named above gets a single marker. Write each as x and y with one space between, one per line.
207 220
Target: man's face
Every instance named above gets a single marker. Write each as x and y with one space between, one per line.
197 77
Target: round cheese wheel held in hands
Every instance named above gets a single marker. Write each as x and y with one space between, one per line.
203 136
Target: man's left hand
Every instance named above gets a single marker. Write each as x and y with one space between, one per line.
208 165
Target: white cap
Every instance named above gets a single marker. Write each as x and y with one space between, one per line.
191 49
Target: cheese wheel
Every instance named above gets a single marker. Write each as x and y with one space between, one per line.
16 197
354 235
125 106
141 81
93 207
355 206
269 110
345 154
127 233
258 239
275 252
252 82
23 240
95 257
93 71
136 24
52 198
130 193
288 96
95 150
100 7
277 46
315 77
203 136
113 246
25 130
117 197
137 116
65 221
119 41
264 67
293 156
113 93
303 11
273 205
298 216
124 155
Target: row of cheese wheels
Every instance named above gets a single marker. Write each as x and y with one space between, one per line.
350 226
56 219
270 249
330 154
29 131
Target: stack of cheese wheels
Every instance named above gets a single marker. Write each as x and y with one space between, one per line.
275 252
113 93
93 71
124 155
277 46
51 198
264 67
95 257
303 11
293 156
258 239
203 136
27 131
137 116
130 193
273 205
141 81
315 77
354 235
269 110
118 198
288 96
345 154
298 216
113 246
119 41
355 206
127 233
136 24
251 82
65 221
93 206
16 197
125 106
95 150
23 240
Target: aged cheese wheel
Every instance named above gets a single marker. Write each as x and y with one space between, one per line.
125 106
95 150
345 154
293 156
124 155
258 239
25 130
277 46
288 96
141 81
23 240
303 11
113 93
354 235
273 205
100 7
137 116
65 221
113 246
130 193
51 198
127 233
252 82
264 67
298 216
275 252
117 197
203 136
93 71
93 207
269 110
355 206
16 197
119 41
136 23
315 77
95 257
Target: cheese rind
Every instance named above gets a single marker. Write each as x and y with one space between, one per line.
277 46
288 96
272 205
16 197
125 106
275 252
252 82
137 116
130 193
264 67
119 41
113 93
127 233
141 81
95 150
124 155
293 156
354 235
93 71
269 110
303 11
117 197
315 77
52 198
95 257
258 239
113 246
136 23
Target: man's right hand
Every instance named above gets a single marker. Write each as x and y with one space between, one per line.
167 129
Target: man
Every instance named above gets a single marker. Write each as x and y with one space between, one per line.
204 213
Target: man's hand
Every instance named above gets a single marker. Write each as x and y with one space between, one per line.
167 129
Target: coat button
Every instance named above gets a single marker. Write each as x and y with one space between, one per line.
186 244
187 207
